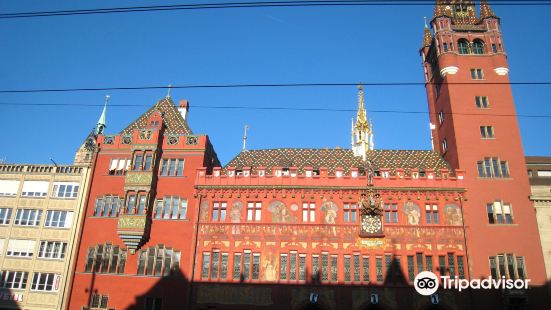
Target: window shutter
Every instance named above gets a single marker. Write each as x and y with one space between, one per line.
68 220
9 187
36 186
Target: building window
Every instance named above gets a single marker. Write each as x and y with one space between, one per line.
431 214
445 46
65 190
391 213
158 261
246 266
5 216
324 267
428 261
237 266
444 145
494 48
482 102
13 279
442 265
507 265
21 248
9 188
441 117
219 212
107 206
153 303
254 211
136 203
99 301
171 207
105 258
46 282
477 74
315 267
411 268
334 267
365 265
492 167
52 249
119 166
487 132
218 266
379 269
499 213
478 47
293 265
293 262
350 213
27 217
463 46
461 267
302 267
173 167
138 161
308 212
35 188
59 219
347 271
451 264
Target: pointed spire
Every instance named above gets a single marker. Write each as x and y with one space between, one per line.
101 121
427 37
168 91
485 10
361 118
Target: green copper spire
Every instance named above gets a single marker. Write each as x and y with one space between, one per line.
101 121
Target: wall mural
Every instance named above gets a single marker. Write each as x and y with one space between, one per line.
453 215
235 216
204 213
330 209
270 267
412 212
280 213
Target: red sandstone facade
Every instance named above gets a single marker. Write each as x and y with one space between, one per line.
167 228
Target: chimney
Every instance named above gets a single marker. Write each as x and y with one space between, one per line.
183 108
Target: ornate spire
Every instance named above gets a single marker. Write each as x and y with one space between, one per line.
485 10
361 117
362 134
427 37
101 121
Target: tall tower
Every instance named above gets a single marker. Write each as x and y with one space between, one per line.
362 130
467 84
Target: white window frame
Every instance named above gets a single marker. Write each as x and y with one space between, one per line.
40 282
65 190
30 220
9 188
52 250
54 219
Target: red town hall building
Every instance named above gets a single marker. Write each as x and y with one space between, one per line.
167 227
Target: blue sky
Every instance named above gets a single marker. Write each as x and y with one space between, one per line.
241 46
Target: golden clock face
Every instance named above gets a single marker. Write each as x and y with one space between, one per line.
371 224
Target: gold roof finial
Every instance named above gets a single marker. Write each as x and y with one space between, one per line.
485 10
361 118
427 36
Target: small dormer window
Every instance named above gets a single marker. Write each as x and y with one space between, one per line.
315 172
422 173
239 172
377 173
285 171
154 124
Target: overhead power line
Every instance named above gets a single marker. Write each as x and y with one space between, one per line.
130 88
276 108
259 4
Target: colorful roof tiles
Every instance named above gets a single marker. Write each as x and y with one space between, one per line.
335 158
173 120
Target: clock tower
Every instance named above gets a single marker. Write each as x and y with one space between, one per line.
475 129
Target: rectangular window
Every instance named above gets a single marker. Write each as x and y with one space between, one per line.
215 264
35 188
477 74
482 102
419 259
431 214
59 219
365 265
224 266
356 267
5 216
379 269
334 267
451 264
308 212
27 217
219 212
461 267
391 213
283 266
350 213
47 282
302 267
172 167
254 211
237 266
9 188
65 190
324 267
293 265
428 260
315 267
20 248
138 161
411 269
108 206
106 258
487 132
442 265
256 266
493 267
347 273
13 279
205 266
119 166
148 162
499 213
441 117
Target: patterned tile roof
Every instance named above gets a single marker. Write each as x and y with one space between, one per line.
334 158
173 120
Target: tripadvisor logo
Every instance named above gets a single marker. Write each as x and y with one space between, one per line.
426 283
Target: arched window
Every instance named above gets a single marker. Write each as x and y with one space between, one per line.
478 47
463 46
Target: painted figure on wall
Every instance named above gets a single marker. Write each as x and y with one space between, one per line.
412 212
204 213
269 264
330 209
235 216
280 213
453 215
